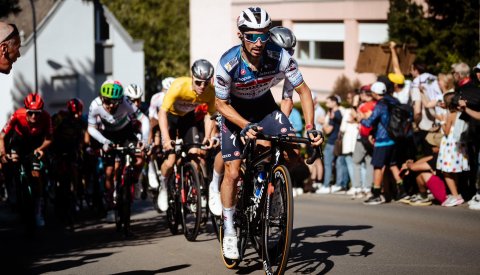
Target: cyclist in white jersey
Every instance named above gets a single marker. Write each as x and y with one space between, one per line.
121 121
154 138
244 77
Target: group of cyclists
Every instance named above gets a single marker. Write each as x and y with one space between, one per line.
238 89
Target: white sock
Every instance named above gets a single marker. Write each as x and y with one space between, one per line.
163 182
228 221
214 184
151 167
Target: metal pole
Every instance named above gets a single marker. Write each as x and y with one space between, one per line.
35 45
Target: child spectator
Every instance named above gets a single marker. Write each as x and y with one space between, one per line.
452 157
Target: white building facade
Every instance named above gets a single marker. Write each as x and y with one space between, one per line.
79 45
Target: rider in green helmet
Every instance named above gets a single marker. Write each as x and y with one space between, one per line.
113 120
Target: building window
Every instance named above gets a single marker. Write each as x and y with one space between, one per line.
328 50
321 53
320 44
303 50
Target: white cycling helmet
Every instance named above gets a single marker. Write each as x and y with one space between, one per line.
253 18
167 82
283 37
133 91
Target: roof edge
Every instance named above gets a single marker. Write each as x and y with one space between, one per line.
135 45
29 41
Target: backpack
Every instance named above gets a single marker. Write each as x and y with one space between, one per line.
401 118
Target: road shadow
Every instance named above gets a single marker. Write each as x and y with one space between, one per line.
152 272
310 255
54 248
67 264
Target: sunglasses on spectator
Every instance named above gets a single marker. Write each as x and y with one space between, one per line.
253 37
12 34
200 82
109 101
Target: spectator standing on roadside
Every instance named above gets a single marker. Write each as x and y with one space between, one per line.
384 145
9 46
349 130
331 128
316 168
468 92
405 147
424 116
362 155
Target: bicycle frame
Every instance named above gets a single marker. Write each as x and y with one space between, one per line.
124 183
251 204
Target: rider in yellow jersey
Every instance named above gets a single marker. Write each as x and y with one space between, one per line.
178 114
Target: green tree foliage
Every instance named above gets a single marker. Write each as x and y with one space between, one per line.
163 25
444 33
8 6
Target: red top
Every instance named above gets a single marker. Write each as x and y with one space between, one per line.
364 108
18 122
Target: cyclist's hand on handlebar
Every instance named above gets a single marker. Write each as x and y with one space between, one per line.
207 143
141 145
38 153
168 145
250 131
316 137
215 141
107 146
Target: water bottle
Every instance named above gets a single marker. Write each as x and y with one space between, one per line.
259 182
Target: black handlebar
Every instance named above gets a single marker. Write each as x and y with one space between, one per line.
317 152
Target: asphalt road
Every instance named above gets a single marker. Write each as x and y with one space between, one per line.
332 234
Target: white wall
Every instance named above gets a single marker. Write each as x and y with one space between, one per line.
210 29
127 65
71 50
66 52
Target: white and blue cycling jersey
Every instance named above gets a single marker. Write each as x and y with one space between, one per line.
247 89
248 92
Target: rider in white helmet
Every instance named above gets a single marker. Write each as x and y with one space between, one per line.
135 94
155 104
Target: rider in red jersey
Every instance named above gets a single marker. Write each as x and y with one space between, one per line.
28 132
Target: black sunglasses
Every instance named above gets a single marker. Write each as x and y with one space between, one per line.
200 82
31 112
109 101
12 34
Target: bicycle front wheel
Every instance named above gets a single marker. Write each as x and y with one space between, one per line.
277 222
190 194
173 212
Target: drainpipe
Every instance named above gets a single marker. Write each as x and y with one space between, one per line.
35 45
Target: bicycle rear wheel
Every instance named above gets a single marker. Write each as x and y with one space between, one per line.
191 201
277 222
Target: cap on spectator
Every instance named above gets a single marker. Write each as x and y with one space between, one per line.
477 68
396 78
365 88
379 88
